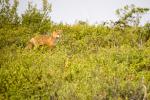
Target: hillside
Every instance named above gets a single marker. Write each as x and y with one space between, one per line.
90 62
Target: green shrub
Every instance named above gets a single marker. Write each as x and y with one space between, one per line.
90 62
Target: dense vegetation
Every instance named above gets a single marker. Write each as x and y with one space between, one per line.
109 61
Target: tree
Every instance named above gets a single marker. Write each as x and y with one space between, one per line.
130 15
36 19
8 13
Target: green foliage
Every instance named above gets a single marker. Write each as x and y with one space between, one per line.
8 14
37 20
130 15
89 62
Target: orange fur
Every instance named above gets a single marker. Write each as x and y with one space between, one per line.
50 41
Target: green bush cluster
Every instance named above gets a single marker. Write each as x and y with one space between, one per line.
90 62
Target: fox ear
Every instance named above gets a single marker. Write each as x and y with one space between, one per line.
60 31
53 31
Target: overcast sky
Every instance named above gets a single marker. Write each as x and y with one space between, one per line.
93 11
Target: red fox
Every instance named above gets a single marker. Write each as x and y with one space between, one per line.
50 41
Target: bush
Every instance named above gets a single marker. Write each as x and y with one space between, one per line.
89 62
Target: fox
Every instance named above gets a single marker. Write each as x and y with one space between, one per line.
50 41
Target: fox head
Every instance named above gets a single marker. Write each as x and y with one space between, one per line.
56 34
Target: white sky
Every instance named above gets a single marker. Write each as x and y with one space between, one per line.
68 11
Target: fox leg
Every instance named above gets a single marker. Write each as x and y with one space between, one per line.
34 42
29 46
35 47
